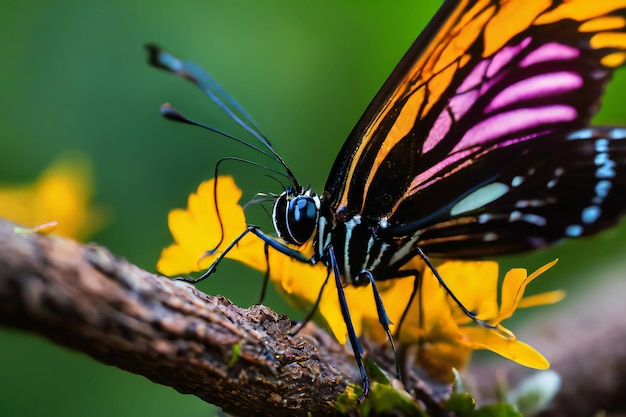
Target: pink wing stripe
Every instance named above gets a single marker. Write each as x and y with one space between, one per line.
504 56
513 121
459 105
550 52
476 77
418 181
439 171
537 86
438 131
468 93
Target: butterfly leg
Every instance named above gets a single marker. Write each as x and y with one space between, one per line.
213 267
266 277
345 312
314 309
468 313
383 319
417 283
281 247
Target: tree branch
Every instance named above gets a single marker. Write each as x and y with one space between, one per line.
84 298
243 360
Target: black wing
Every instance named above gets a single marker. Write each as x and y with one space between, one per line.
564 187
487 83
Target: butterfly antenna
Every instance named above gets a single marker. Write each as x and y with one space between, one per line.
190 71
259 198
253 163
267 212
217 210
282 186
173 114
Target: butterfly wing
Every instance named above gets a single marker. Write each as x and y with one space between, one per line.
565 186
486 82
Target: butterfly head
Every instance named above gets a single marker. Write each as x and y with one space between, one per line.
296 213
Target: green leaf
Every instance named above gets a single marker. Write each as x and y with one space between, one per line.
497 410
383 397
462 404
375 373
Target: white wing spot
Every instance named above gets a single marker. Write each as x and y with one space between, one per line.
479 198
590 214
490 237
534 219
574 230
605 166
484 218
617 133
515 216
581 134
602 188
530 203
602 145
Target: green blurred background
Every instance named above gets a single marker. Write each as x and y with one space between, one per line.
73 76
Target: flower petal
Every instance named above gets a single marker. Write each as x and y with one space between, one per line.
550 297
62 193
513 349
475 283
200 229
513 287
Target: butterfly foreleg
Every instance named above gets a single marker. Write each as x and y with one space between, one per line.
345 312
266 276
471 314
383 319
269 240
417 282
213 267
279 246
316 305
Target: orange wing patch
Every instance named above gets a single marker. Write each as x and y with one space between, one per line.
432 66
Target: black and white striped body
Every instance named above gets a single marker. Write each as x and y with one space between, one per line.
360 244
570 186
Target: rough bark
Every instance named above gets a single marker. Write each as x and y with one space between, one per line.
84 298
244 360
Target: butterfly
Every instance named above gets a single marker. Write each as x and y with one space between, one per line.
478 144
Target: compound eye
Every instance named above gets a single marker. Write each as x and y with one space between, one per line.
302 216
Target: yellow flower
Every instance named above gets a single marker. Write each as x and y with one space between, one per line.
445 335
61 194
197 231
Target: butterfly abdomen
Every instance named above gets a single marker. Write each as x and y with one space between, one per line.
360 244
